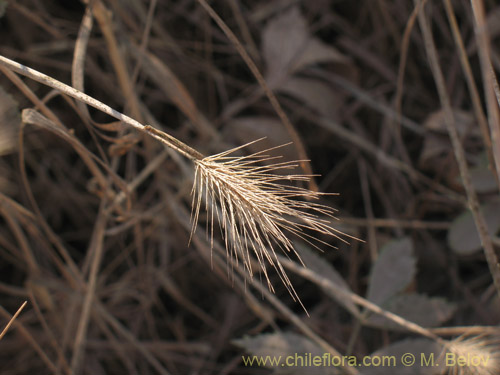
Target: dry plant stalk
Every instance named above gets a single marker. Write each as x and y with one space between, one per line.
11 321
472 198
255 209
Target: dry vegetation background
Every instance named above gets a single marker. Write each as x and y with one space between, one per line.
94 216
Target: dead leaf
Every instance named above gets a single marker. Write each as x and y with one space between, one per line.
463 238
437 152
393 271
318 52
483 180
435 147
315 94
464 121
287 47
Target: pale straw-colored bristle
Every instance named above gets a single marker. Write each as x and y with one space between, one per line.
256 209
478 355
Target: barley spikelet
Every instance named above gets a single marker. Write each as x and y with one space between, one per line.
478 355
256 210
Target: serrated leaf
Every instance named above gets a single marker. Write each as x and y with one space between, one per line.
282 39
481 175
275 347
314 93
435 147
420 309
394 269
463 238
464 122
318 52
425 352
483 179
315 263
287 46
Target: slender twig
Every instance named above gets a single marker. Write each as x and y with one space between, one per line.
79 53
280 306
471 84
329 285
114 323
489 78
472 198
97 250
163 137
382 157
28 336
402 62
103 17
11 321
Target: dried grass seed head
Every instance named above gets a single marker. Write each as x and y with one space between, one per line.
256 209
476 355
